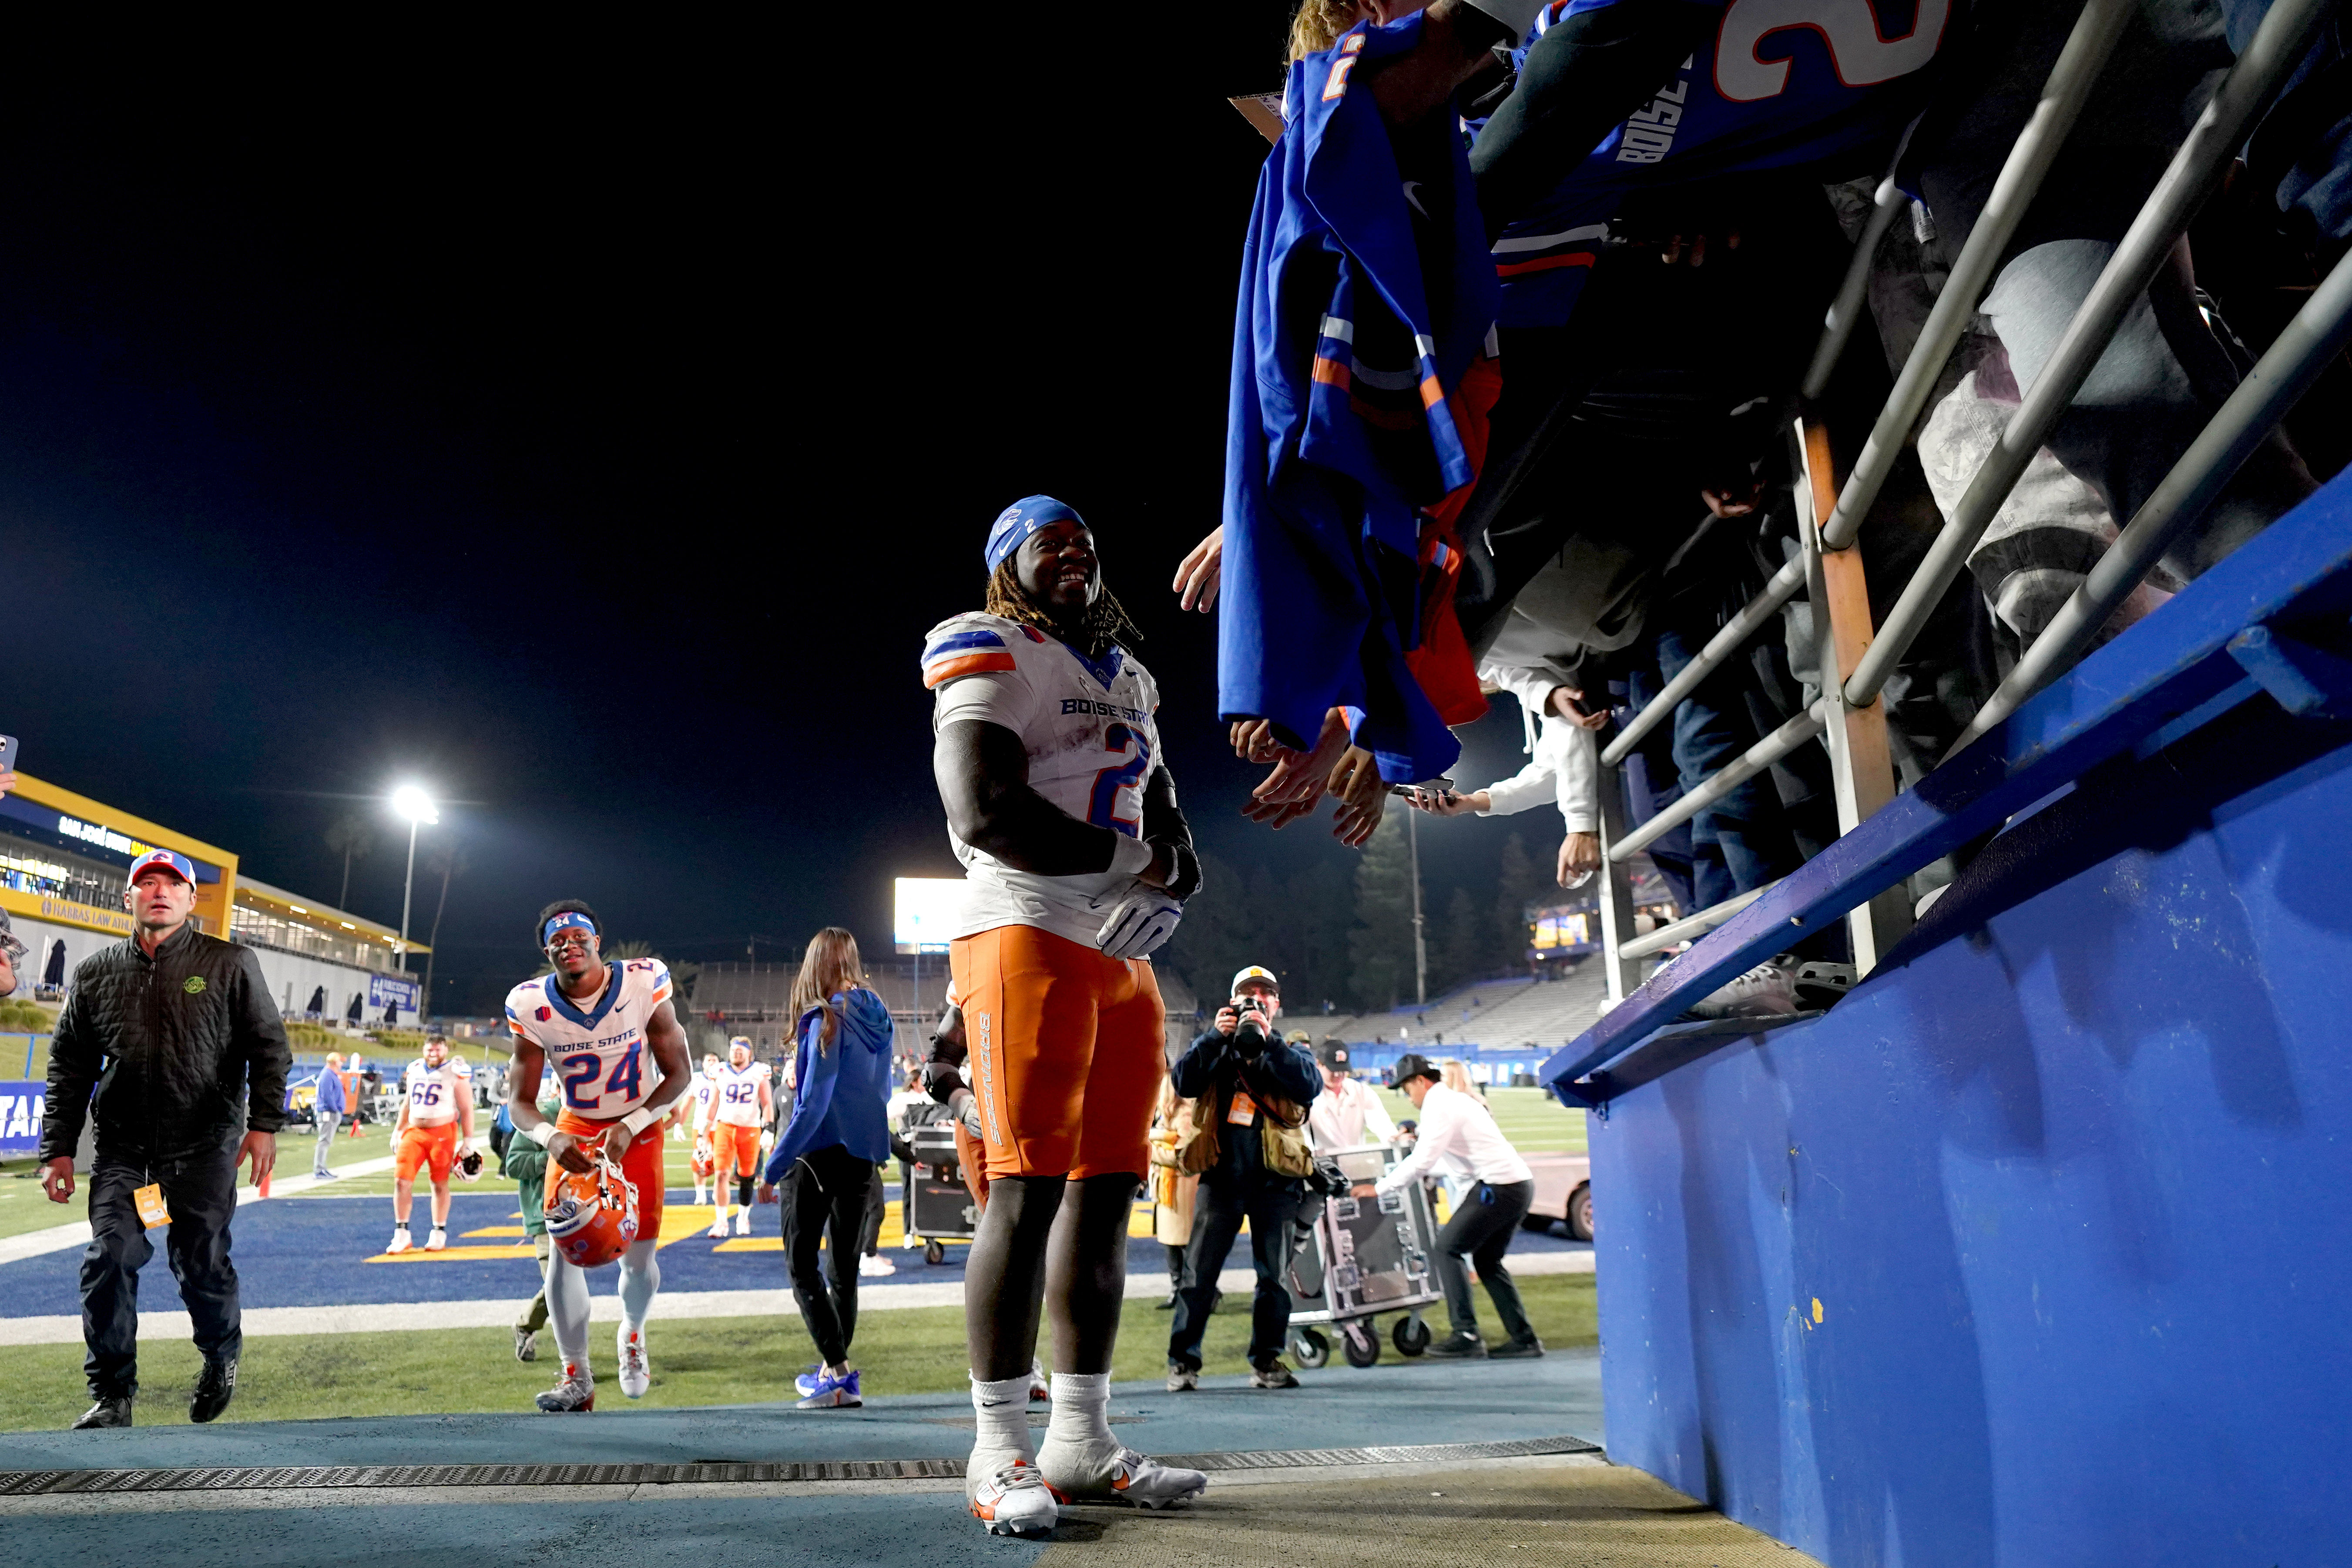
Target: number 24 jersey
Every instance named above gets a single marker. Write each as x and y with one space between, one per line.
598 1060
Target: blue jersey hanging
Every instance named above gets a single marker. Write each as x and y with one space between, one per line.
1366 297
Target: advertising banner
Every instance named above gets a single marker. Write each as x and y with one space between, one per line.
385 989
20 1117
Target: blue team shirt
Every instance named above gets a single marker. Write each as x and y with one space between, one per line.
1783 83
1345 349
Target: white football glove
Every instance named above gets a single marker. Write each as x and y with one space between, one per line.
1138 924
966 1106
767 1142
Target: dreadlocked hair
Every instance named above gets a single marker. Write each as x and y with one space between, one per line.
1103 623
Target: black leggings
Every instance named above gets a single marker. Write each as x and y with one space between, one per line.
826 1190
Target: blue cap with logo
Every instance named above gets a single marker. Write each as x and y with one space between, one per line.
1019 521
168 860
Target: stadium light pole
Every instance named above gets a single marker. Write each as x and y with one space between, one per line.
1420 945
411 802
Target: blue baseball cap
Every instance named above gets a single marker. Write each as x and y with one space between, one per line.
176 864
1019 521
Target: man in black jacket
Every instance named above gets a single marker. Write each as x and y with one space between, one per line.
1238 1068
177 1032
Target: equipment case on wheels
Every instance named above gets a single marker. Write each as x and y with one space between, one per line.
1360 1257
933 1201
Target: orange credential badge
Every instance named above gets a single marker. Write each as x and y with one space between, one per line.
149 1201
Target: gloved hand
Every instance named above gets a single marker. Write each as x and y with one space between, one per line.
942 1081
767 1140
1138 924
966 1106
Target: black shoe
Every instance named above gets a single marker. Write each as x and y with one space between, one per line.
1274 1374
1457 1346
216 1386
111 1410
1167 1306
1509 1348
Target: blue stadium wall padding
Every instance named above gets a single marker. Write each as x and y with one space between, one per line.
2038 1248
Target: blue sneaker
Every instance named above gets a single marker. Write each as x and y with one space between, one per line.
833 1393
806 1381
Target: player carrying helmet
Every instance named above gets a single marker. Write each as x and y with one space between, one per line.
619 1056
1076 864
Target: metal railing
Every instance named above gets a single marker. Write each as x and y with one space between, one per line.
2301 354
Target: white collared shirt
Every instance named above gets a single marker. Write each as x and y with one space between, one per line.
1348 1116
1458 1125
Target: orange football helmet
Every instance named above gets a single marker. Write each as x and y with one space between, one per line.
592 1217
705 1162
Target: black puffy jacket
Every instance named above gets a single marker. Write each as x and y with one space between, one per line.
185 1048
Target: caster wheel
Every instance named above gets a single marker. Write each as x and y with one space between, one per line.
1410 1336
935 1251
1311 1348
1360 1351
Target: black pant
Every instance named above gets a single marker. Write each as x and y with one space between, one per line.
1481 1230
1217 1216
200 1190
826 1189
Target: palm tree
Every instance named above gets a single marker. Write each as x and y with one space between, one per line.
352 835
451 862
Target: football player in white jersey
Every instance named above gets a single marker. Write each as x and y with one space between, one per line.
1076 864
608 1033
435 1130
738 1134
705 1096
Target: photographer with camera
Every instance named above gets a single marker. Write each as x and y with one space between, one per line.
1248 1145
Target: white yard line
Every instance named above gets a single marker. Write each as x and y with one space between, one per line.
61 1237
263 1321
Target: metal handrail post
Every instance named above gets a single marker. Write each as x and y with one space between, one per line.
1619 969
2277 46
2278 381
2095 37
1778 590
1885 204
1753 760
1699 924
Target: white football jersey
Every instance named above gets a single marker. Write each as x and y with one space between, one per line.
705 1099
1092 734
599 1059
739 1094
436 1093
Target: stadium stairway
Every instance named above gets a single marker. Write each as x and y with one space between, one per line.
1478 1461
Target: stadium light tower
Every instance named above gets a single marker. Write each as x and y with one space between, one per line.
411 802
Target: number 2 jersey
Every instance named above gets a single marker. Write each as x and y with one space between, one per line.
599 1060
436 1093
1092 735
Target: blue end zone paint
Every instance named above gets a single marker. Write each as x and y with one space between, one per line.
308 1252
2068 1178
1333 1409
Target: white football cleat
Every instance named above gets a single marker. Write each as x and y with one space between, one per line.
718 1229
400 1242
876 1266
1015 1500
574 1393
742 1221
1112 1472
1040 1386
636 1375
438 1241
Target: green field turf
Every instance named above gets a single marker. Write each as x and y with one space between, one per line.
710 1361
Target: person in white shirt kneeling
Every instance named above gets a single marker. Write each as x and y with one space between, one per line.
1460 1125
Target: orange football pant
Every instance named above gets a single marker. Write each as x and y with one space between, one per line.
1066 1051
642 1163
433 1148
734 1150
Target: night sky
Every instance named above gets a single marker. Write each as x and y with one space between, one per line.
590 426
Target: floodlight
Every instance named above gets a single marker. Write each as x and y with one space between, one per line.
412 804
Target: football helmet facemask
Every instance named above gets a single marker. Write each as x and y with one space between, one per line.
592 1217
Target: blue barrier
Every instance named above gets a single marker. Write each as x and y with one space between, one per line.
20 1116
2035 1248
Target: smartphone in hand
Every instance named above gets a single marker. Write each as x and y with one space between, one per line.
7 753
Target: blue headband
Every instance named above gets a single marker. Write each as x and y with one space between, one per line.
1019 521
569 919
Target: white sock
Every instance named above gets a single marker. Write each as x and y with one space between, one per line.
1081 1409
722 1205
640 1278
999 1412
567 1309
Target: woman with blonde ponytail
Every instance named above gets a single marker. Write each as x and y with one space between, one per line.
839 1132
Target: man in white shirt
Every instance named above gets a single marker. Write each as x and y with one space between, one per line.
1563 768
1460 1126
1348 1114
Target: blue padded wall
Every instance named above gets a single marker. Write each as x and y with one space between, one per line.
2070 1178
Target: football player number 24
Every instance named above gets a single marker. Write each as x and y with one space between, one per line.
582 1089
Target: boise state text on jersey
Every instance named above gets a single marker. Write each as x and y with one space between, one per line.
599 1059
1783 83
